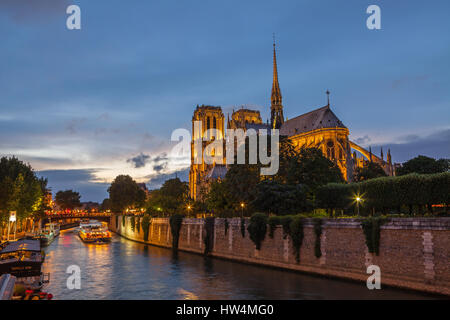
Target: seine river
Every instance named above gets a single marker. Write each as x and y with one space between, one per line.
125 269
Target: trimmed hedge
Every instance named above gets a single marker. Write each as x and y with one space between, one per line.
388 193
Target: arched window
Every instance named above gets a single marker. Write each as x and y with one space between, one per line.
214 123
330 150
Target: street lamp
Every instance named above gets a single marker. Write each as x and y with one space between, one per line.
358 199
242 209
189 209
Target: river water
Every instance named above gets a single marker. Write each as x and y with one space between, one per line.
124 269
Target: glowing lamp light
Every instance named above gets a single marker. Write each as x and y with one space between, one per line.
358 199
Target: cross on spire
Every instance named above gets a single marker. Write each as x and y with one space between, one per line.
328 97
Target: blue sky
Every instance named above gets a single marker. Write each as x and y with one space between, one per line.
83 106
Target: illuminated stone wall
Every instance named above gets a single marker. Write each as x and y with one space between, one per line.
414 253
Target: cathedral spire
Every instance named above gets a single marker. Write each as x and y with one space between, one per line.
276 107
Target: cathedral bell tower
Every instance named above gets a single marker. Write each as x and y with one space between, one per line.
276 108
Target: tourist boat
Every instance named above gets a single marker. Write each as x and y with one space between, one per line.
94 231
49 233
23 259
53 227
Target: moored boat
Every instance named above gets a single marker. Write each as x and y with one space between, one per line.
49 233
94 231
45 237
23 259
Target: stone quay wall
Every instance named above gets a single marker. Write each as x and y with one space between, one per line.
414 253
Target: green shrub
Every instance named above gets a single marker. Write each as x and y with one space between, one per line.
257 229
146 222
296 233
175 221
273 221
318 232
371 228
209 236
138 224
132 223
226 225
285 222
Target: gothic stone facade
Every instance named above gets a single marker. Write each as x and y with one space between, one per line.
319 128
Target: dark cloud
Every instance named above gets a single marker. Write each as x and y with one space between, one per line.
160 162
27 10
363 140
161 157
157 180
78 180
408 80
73 125
436 145
160 167
140 160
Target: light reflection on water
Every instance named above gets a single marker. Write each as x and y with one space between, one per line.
125 269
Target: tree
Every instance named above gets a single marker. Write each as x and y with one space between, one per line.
20 189
125 193
217 199
424 165
312 169
240 183
68 199
281 199
106 205
370 170
173 196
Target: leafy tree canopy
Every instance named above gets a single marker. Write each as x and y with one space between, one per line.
370 170
311 168
171 198
281 199
424 165
20 189
125 193
68 199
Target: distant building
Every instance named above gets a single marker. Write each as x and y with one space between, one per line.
143 187
319 128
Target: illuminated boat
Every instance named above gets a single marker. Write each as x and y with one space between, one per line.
94 231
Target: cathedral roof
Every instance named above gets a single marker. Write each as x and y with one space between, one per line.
216 172
316 119
258 126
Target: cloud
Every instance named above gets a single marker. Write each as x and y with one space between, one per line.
79 180
160 167
157 180
436 145
21 10
140 160
363 140
408 80
73 125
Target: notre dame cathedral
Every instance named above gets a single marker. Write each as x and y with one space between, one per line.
319 128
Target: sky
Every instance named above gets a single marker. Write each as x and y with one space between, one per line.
83 106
